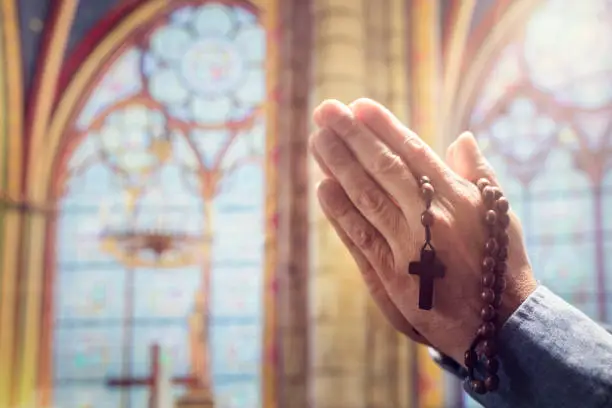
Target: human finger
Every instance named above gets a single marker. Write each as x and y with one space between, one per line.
417 155
332 198
318 158
363 192
469 162
383 165
450 155
365 236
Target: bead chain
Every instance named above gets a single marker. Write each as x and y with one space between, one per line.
493 284
427 218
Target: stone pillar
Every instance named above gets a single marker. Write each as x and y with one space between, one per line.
338 296
293 188
389 358
358 359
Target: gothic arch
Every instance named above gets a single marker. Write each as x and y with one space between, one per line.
550 145
545 125
481 51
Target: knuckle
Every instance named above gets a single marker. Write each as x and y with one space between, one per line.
387 163
368 240
338 207
365 238
371 200
338 154
348 127
414 146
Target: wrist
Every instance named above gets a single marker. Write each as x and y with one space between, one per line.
518 290
523 285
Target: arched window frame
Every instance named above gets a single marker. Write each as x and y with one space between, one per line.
483 52
48 175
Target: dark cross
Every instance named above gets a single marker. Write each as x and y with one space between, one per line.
151 381
428 268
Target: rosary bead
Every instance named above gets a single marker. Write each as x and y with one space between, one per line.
497 193
501 268
488 279
470 358
482 183
504 220
493 283
492 382
491 246
491 365
491 217
496 303
502 205
487 313
424 180
502 238
500 284
488 264
488 194
427 191
489 348
487 295
427 218
478 386
487 330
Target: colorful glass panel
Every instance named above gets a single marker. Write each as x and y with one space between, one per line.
173 144
545 122
544 118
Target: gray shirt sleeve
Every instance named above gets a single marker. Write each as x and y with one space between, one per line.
551 355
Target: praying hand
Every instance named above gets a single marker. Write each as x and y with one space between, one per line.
400 208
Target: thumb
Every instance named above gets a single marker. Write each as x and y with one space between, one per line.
468 161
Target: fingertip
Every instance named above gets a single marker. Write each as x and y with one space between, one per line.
467 139
450 152
364 108
315 153
467 150
451 161
360 102
328 110
470 162
380 119
466 134
327 187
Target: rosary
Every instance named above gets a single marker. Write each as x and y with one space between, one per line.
496 219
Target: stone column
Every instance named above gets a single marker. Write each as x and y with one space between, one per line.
293 189
338 297
389 358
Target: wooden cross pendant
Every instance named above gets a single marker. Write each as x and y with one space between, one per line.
428 268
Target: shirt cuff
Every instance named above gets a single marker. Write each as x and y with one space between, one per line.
551 355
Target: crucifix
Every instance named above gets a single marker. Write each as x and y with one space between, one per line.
152 381
427 269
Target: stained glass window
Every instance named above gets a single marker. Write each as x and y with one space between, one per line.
162 216
544 117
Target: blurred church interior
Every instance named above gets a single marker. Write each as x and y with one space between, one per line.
160 246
